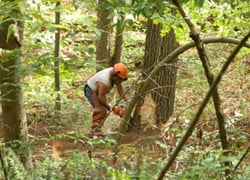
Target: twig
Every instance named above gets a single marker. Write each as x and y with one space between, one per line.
190 144
202 107
210 77
241 159
47 131
128 89
168 59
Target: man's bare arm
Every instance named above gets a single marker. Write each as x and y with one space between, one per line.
102 92
121 92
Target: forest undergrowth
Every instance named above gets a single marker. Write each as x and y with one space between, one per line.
59 143
61 148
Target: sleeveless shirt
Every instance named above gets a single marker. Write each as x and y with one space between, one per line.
101 76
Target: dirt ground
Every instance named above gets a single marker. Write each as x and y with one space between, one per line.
59 141
60 146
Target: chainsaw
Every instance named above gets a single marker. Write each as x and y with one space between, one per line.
118 110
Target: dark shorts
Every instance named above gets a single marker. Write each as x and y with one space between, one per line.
89 94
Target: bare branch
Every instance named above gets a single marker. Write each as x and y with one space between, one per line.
241 159
202 106
168 59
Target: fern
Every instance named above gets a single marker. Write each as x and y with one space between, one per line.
14 168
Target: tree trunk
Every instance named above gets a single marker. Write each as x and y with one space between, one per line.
103 43
116 57
166 80
13 111
57 62
162 87
171 58
202 107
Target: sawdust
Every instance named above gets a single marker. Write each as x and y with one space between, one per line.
148 113
111 124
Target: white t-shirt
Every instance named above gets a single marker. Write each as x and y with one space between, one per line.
101 76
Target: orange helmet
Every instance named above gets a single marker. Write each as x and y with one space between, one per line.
121 70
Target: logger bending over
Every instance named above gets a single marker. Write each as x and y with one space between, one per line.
96 89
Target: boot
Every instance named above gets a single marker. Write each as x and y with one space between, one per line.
96 129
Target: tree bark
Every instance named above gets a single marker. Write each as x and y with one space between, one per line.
117 55
142 87
57 61
116 58
103 43
162 86
12 96
164 94
13 111
202 106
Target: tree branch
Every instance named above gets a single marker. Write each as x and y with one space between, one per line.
168 59
241 159
210 77
202 106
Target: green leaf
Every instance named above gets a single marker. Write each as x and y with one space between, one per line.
227 158
216 1
12 30
242 139
199 3
183 1
22 6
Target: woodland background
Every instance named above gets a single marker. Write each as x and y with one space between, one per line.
172 129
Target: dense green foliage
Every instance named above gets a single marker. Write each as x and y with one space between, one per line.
200 159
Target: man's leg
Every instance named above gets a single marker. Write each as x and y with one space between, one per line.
99 114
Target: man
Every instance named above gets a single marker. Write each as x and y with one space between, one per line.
96 89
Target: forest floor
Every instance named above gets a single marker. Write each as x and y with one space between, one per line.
65 140
60 140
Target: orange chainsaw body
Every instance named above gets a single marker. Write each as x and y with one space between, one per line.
119 110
